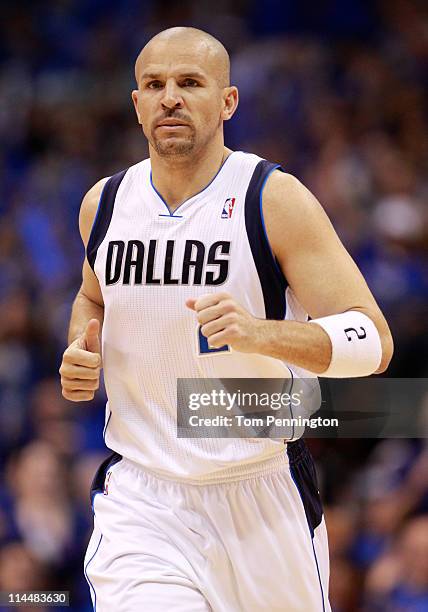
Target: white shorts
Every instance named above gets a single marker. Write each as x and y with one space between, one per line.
255 544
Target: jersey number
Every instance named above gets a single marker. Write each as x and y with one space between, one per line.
204 349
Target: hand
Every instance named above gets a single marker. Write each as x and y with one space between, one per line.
81 365
224 321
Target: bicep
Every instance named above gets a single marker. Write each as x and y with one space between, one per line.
90 285
319 270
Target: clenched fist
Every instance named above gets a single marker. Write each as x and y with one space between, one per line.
81 365
224 321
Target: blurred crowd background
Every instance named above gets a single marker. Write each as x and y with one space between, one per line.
334 91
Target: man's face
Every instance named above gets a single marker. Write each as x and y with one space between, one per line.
179 100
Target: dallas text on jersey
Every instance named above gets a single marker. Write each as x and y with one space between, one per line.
122 259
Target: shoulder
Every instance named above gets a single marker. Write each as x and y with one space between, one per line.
91 200
288 203
290 208
285 194
89 207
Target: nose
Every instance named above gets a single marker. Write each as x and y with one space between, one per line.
172 97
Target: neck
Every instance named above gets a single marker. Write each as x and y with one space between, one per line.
178 180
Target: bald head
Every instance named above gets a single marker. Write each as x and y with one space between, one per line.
206 51
183 77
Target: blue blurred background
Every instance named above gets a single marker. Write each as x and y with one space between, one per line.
332 90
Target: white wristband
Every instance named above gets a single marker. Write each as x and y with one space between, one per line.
356 345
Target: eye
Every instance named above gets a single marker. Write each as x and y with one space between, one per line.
154 85
190 83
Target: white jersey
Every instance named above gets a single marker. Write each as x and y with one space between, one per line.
148 261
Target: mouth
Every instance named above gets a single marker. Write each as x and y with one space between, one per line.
171 124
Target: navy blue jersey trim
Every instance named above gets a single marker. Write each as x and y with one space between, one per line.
106 425
172 213
272 280
103 216
319 575
97 485
303 472
291 405
86 573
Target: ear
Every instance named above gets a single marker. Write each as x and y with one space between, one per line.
230 102
134 96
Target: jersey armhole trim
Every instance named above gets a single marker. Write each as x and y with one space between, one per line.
95 221
275 261
272 280
103 216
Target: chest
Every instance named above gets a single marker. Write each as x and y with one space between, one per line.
196 245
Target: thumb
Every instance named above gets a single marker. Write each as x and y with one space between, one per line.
190 303
92 336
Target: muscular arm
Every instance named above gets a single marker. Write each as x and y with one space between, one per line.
320 272
81 362
89 301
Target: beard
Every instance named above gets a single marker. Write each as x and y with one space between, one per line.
173 146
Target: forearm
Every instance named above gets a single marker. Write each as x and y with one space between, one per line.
302 344
82 312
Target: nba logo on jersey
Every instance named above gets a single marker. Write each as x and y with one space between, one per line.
228 208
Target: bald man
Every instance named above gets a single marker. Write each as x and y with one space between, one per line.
206 262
